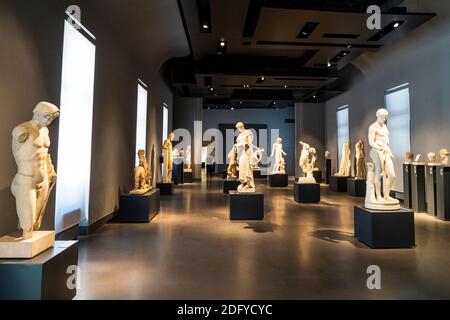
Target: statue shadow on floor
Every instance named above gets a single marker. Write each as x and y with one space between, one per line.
335 236
261 227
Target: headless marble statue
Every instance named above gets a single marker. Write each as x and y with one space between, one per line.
307 161
383 166
361 172
36 176
232 167
142 175
345 167
167 159
278 152
244 144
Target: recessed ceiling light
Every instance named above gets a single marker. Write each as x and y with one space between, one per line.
205 26
349 46
223 43
397 24
240 102
232 108
329 64
285 86
314 97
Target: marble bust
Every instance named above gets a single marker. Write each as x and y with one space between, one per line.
167 159
142 175
345 166
444 153
244 145
409 157
307 161
36 177
382 167
278 153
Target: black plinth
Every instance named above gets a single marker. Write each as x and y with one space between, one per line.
431 190
443 193
356 188
257 174
177 173
188 177
407 170
307 192
246 206
318 176
338 184
418 188
279 181
139 208
385 230
166 189
230 185
45 277
328 171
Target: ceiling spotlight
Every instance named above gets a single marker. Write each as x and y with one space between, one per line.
261 79
221 47
240 102
223 43
314 97
285 86
349 46
232 108
211 89
205 26
329 64
397 24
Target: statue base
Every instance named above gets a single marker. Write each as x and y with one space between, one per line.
385 207
338 183
166 189
385 230
139 208
306 180
307 192
188 176
246 206
140 191
14 246
357 187
279 180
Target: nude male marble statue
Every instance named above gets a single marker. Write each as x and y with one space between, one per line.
36 176
244 145
361 171
278 152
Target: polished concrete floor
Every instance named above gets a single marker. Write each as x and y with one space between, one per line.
192 251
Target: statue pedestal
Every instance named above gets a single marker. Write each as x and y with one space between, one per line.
407 169
306 192
257 174
44 277
230 185
177 172
328 171
338 184
318 176
385 229
279 181
139 208
166 189
418 188
443 193
188 176
246 206
431 190
14 247
356 188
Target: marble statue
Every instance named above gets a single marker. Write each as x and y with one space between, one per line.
36 176
432 159
444 156
409 157
382 167
307 160
361 172
327 155
244 145
345 168
167 159
142 175
232 167
257 157
188 159
278 152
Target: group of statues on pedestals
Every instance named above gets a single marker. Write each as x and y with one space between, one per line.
432 158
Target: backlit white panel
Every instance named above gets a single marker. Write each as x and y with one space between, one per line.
398 105
165 122
343 132
141 120
75 130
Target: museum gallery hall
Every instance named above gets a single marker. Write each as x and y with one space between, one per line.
224 150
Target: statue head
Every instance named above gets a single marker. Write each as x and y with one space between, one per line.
327 155
409 156
171 136
279 140
360 145
305 145
382 116
45 113
444 153
240 126
432 157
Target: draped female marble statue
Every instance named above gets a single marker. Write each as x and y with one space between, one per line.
382 167
345 168
278 152
232 167
36 176
188 159
361 171
142 175
244 145
167 159
307 161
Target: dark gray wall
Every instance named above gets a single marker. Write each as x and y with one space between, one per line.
30 71
274 119
311 130
420 59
